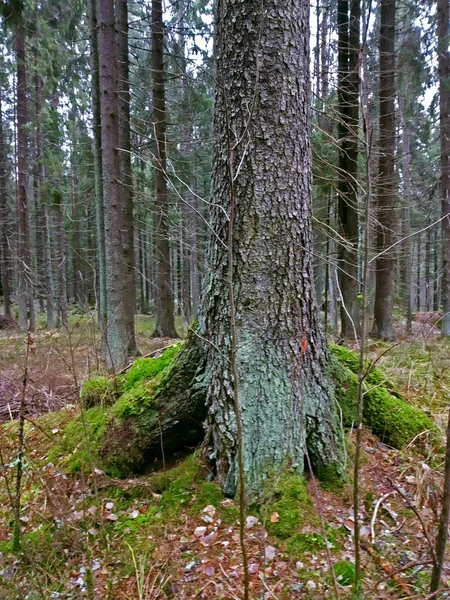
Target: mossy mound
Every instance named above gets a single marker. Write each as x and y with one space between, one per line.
386 413
109 433
98 391
290 503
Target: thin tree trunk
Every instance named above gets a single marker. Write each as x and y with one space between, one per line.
61 258
126 177
98 175
444 105
164 304
25 282
349 18
5 254
386 201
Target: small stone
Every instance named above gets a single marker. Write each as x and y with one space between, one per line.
311 585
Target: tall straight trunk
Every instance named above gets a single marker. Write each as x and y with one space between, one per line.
25 282
444 136
386 197
428 271
98 175
349 18
126 177
164 305
43 213
5 254
61 258
406 221
118 336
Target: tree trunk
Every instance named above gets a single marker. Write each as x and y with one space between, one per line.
164 305
261 189
348 94
386 201
261 220
117 337
5 258
126 177
98 175
444 103
25 283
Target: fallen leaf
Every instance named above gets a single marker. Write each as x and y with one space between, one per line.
274 517
250 521
199 531
270 552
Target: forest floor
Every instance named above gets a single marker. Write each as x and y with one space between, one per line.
87 535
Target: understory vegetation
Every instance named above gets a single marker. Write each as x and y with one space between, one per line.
94 528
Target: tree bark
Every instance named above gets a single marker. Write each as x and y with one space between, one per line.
386 201
261 180
164 304
349 17
117 336
444 105
98 175
25 283
5 254
126 177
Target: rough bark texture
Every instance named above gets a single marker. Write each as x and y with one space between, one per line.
349 17
25 287
5 264
387 217
444 102
126 178
117 337
98 173
164 305
261 174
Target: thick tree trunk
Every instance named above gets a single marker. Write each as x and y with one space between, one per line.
262 221
261 180
164 305
349 18
25 283
386 201
117 337
444 103
5 254
126 177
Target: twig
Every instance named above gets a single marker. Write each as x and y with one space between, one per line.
375 512
261 577
410 565
411 506
122 371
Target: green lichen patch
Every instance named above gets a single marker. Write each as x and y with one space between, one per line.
385 412
98 391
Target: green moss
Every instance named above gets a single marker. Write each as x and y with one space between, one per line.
144 369
389 416
330 477
98 391
291 502
299 543
82 440
134 401
345 572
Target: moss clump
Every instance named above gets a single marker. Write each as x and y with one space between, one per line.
145 369
82 440
345 572
134 401
291 502
98 391
387 414
330 477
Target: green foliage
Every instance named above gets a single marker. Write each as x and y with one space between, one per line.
98 391
388 415
345 572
